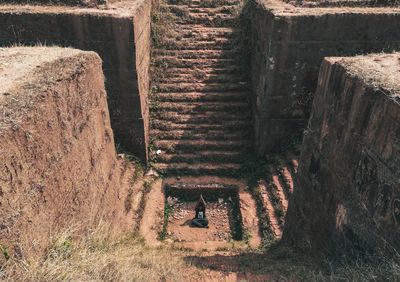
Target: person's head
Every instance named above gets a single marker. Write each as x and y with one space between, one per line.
200 206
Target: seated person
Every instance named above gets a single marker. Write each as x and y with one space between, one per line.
200 219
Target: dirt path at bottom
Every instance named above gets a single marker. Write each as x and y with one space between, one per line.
230 266
153 215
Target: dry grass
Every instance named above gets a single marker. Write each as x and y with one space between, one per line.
379 70
97 257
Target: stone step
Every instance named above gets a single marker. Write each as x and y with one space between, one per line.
220 20
189 44
179 169
200 107
201 114
215 43
200 145
197 54
278 189
182 9
205 3
215 157
202 87
201 96
226 126
189 135
203 72
187 185
206 75
287 176
199 32
201 78
203 118
172 61
269 209
214 2
227 10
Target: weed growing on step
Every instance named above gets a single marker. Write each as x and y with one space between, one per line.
129 159
168 209
246 235
181 13
152 151
138 173
128 200
61 247
4 252
199 74
162 23
154 105
147 185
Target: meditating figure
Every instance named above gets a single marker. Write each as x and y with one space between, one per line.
200 219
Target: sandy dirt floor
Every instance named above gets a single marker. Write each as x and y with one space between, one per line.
217 213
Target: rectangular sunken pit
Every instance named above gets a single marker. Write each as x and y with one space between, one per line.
222 211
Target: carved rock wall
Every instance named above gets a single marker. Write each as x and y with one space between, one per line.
59 167
120 34
348 191
288 46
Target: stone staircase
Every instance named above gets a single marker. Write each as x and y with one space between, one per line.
274 192
200 101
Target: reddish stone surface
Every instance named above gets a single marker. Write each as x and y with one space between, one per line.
86 3
288 45
59 167
348 193
119 33
201 121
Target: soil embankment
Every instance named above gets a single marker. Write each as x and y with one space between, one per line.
58 159
119 33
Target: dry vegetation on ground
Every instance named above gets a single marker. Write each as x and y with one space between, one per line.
97 256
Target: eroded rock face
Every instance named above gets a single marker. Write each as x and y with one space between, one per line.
119 33
288 46
58 166
348 195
